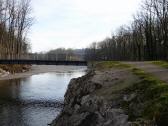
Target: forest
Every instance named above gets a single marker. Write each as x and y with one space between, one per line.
146 38
15 21
59 54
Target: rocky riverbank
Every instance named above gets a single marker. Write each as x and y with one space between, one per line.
83 108
104 97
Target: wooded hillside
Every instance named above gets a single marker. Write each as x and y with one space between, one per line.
145 39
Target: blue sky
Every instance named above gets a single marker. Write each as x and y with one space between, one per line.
77 23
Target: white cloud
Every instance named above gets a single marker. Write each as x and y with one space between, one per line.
76 23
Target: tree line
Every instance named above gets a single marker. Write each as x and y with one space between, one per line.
15 21
59 54
145 39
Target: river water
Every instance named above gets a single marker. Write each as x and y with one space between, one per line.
35 100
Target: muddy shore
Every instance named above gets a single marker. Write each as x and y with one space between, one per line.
37 69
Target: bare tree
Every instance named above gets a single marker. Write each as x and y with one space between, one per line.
15 21
145 39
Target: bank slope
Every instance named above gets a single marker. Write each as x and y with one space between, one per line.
115 94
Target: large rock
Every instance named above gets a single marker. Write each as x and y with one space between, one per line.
83 108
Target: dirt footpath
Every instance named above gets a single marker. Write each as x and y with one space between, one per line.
157 71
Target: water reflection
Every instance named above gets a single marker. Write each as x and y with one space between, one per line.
33 101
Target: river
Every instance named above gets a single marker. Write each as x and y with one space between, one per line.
34 100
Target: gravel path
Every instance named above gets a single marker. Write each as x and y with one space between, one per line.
157 71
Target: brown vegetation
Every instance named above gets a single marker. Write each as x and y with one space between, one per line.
15 68
14 24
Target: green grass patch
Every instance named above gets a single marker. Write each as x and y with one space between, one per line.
151 101
111 64
163 64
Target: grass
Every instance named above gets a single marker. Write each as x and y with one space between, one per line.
110 64
113 92
151 94
151 101
163 64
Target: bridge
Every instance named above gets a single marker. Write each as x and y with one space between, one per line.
42 59
43 62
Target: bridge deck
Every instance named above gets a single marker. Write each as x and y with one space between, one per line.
44 62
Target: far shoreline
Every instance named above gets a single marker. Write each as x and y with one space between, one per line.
39 69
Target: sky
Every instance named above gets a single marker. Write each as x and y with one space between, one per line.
77 23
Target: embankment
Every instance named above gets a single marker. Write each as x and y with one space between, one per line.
115 94
6 70
15 68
